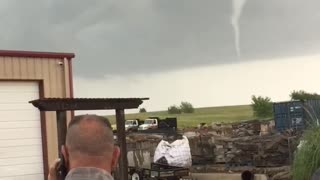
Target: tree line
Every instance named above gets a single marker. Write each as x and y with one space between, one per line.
261 106
184 107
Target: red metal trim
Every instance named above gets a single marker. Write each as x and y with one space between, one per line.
44 135
35 54
71 82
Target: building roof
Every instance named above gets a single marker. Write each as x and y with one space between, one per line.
35 54
64 104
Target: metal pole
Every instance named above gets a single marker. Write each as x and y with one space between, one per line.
121 136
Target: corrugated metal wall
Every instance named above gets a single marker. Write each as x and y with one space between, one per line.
55 79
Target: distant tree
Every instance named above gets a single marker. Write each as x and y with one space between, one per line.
303 95
262 106
174 110
186 107
142 110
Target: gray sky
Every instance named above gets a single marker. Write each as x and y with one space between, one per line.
133 40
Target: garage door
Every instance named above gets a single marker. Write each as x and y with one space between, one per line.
20 132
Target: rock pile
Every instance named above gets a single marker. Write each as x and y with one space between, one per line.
242 129
248 128
263 151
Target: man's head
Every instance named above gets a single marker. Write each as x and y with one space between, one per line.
89 143
316 175
247 175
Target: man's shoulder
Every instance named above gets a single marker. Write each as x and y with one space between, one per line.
88 173
316 175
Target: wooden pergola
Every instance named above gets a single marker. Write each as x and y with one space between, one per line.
62 105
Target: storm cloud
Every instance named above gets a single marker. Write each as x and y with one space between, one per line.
113 37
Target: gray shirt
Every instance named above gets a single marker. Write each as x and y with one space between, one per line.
88 173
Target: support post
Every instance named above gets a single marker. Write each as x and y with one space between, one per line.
62 129
121 136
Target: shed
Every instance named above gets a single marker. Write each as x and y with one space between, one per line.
28 138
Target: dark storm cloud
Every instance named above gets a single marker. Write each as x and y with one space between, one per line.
280 28
123 37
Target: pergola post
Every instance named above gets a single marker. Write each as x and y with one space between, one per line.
62 132
123 161
61 128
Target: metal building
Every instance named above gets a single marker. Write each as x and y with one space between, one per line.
28 138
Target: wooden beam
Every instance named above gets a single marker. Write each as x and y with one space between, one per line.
121 136
64 104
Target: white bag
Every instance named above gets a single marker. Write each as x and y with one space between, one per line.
177 153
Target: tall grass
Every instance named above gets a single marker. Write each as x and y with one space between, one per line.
307 157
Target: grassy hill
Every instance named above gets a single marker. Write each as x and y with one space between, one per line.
201 115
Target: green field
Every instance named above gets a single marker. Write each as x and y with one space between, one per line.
201 115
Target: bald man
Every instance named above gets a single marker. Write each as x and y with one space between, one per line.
89 153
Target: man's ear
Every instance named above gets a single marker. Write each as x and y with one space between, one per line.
65 154
115 157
